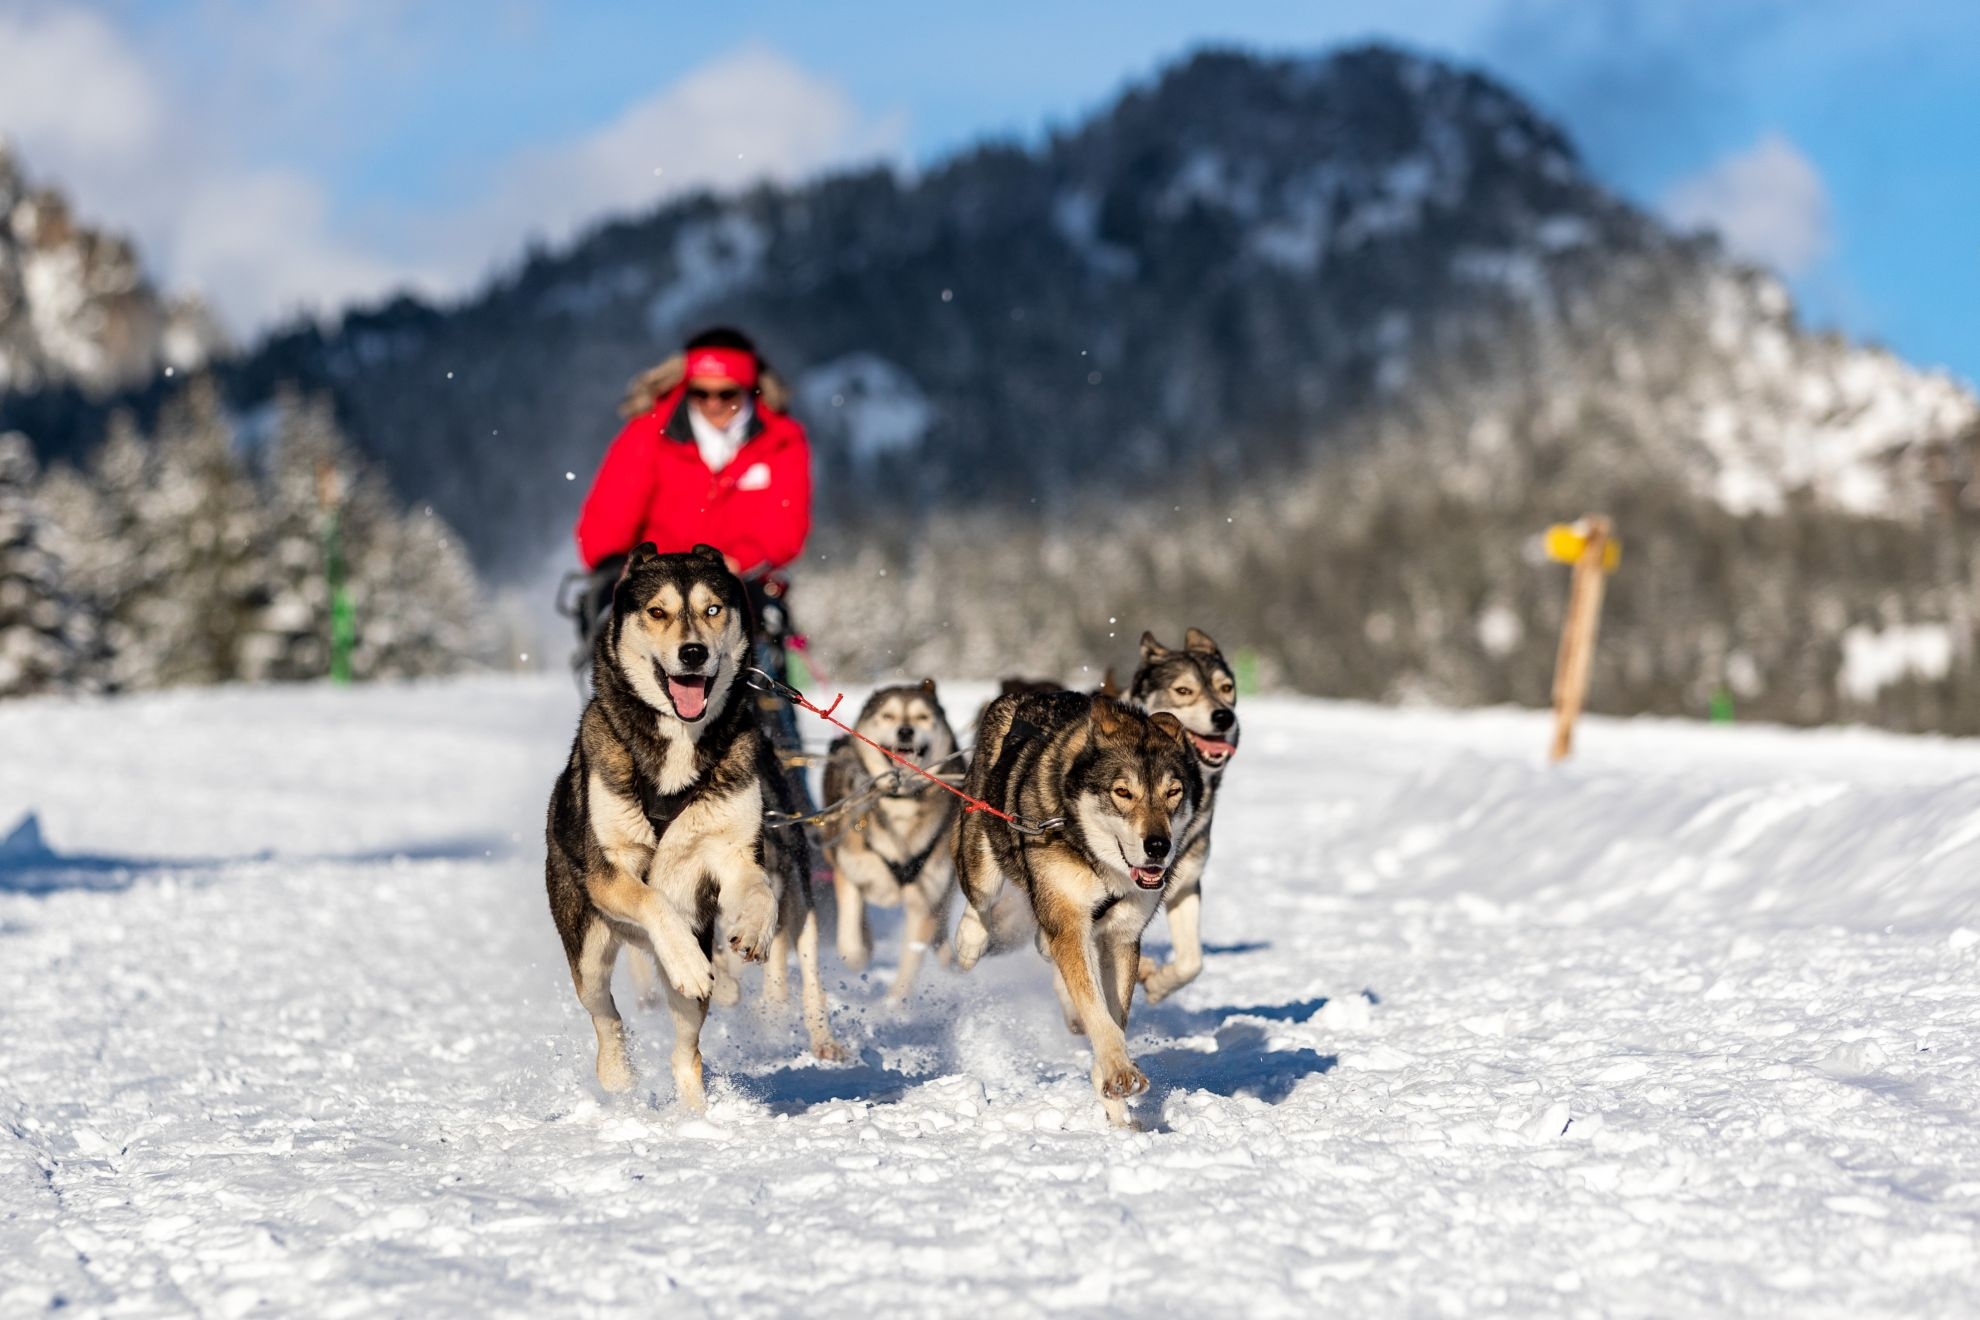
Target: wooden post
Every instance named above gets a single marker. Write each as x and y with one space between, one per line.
1584 614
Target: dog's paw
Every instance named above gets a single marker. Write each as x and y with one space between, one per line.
1121 1080
614 1073
691 975
855 953
753 923
1147 969
972 940
830 1050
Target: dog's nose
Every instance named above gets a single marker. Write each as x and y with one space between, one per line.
1155 847
694 655
905 733
1222 718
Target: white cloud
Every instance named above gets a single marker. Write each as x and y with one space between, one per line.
190 171
746 116
1768 202
72 85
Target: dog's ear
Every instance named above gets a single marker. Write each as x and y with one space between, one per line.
1109 685
1167 724
1151 650
643 554
1107 716
709 552
1199 641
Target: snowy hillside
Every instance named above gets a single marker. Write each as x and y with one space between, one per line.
75 306
1234 269
1684 1025
1316 344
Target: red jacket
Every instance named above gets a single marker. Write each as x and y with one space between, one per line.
653 486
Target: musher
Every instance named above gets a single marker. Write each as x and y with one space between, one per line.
707 455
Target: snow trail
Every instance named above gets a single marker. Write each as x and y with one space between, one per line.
1682 1026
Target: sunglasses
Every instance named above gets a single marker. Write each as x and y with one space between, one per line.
729 394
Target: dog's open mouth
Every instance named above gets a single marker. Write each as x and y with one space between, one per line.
1213 752
689 693
1147 877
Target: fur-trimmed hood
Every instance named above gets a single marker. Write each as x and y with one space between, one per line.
660 380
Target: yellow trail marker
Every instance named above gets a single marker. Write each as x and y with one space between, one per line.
1566 541
1591 546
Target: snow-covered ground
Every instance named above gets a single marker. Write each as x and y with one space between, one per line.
1686 1025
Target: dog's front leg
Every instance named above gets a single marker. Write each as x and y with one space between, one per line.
1077 959
1184 967
919 929
746 906
689 1013
982 881
855 937
651 908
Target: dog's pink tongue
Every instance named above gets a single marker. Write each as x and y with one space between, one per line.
1213 746
1148 877
690 695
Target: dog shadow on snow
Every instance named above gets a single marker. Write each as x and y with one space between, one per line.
900 1051
1240 1065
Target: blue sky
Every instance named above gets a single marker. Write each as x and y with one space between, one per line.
296 154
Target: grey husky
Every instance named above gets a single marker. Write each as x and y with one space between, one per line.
1126 786
656 833
899 849
1196 686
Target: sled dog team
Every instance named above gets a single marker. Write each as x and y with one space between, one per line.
657 835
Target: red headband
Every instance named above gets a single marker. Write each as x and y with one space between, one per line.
736 364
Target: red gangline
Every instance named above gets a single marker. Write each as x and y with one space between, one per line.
975 804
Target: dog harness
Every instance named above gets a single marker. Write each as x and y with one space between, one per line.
662 809
908 870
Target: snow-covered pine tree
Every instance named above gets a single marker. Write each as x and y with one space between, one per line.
202 529
310 468
417 605
420 609
97 528
45 638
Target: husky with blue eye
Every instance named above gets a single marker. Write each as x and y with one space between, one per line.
656 833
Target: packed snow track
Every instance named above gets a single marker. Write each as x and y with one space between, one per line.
1686 1025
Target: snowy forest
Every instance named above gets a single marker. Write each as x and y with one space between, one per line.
198 555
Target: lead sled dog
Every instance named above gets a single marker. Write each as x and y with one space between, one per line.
1126 787
656 835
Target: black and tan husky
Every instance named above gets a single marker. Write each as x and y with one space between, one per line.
656 834
1196 686
1126 786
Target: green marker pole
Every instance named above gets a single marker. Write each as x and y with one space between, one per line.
1246 669
343 615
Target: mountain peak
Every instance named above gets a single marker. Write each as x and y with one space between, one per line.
76 307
